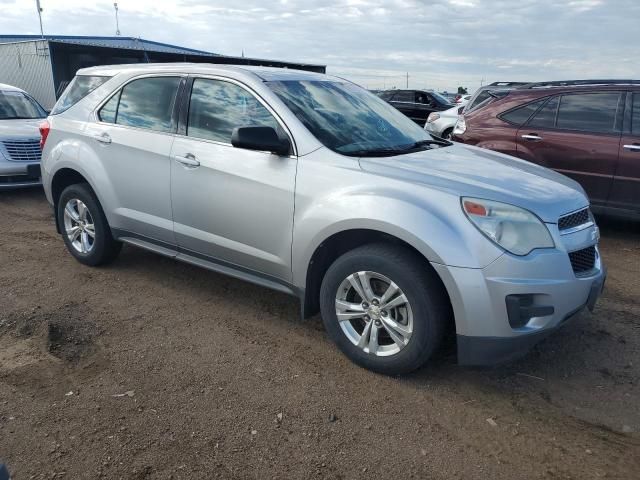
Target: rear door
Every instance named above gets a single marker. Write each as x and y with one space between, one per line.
133 139
424 104
626 183
404 100
577 134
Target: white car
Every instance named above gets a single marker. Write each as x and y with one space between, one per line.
463 100
441 124
20 152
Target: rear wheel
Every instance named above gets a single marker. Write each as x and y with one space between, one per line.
447 134
384 308
84 226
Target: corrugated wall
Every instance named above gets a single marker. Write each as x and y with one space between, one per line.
27 65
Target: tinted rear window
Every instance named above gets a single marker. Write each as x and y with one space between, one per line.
404 97
520 115
147 103
635 120
482 96
588 112
80 87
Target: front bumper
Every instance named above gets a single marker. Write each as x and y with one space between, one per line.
485 327
19 175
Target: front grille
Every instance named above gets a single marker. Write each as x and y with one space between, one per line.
22 150
574 219
583 261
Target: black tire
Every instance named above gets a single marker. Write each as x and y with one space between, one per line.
104 248
420 284
447 134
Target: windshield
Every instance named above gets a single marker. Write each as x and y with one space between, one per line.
349 119
18 106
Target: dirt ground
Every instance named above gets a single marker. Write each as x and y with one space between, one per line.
150 368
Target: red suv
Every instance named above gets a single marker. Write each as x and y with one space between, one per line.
588 130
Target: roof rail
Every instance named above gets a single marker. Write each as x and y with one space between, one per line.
507 84
580 83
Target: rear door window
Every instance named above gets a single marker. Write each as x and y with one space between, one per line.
520 115
588 112
635 116
80 87
148 103
404 96
546 116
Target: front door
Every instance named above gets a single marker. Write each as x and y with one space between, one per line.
626 183
577 135
231 205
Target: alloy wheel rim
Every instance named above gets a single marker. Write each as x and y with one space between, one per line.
79 226
374 313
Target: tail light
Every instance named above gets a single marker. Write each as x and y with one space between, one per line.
461 126
44 128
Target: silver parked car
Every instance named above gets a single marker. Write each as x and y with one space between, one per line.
310 185
441 124
20 116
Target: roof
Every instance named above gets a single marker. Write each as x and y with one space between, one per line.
9 88
264 73
129 43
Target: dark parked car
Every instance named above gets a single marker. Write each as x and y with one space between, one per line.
588 130
416 104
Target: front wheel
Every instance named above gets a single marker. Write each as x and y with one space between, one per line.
384 307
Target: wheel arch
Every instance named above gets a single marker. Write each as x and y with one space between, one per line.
341 242
60 180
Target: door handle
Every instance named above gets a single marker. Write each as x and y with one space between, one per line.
188 160
532 137
634 148
102 137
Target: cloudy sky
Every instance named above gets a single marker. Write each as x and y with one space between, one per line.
441 43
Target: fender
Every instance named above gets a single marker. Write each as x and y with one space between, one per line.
394 212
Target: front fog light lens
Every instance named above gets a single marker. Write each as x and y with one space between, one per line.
513 228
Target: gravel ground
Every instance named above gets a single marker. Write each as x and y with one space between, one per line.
149 368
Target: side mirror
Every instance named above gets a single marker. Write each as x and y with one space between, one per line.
264 139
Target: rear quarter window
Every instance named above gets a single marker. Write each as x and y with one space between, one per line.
518 116
80 87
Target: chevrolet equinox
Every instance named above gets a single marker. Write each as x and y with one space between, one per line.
310 185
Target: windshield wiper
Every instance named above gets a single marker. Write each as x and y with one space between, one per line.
374 152
422 143
20 118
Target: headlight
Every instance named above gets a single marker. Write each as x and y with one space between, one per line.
433 117
461 126
513 228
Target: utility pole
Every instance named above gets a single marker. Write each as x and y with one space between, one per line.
407 80
115 5
40 17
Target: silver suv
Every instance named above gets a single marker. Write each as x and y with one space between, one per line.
310 185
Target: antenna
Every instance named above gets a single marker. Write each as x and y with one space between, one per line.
115 5
40 17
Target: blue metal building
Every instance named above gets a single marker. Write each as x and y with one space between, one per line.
44 66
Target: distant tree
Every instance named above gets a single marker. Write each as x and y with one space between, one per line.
462 91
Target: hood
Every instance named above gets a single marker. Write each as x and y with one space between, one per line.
20 129
475 172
